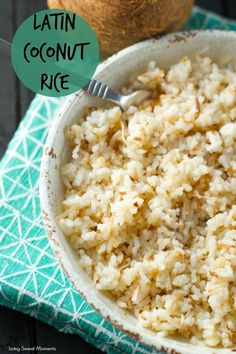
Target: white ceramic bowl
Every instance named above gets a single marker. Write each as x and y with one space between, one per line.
115 71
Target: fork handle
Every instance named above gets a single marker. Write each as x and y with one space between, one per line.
98 89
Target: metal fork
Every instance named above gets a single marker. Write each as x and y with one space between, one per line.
103 91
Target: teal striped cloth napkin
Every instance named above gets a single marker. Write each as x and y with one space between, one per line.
31 280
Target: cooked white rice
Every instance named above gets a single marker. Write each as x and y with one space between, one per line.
150 201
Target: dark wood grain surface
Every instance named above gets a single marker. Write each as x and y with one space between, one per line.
17 329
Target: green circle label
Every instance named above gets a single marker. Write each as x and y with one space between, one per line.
55 52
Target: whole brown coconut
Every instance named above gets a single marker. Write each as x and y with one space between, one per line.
120 23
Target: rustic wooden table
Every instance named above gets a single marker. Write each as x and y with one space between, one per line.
17 329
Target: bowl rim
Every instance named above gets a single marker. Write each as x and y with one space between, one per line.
48 153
